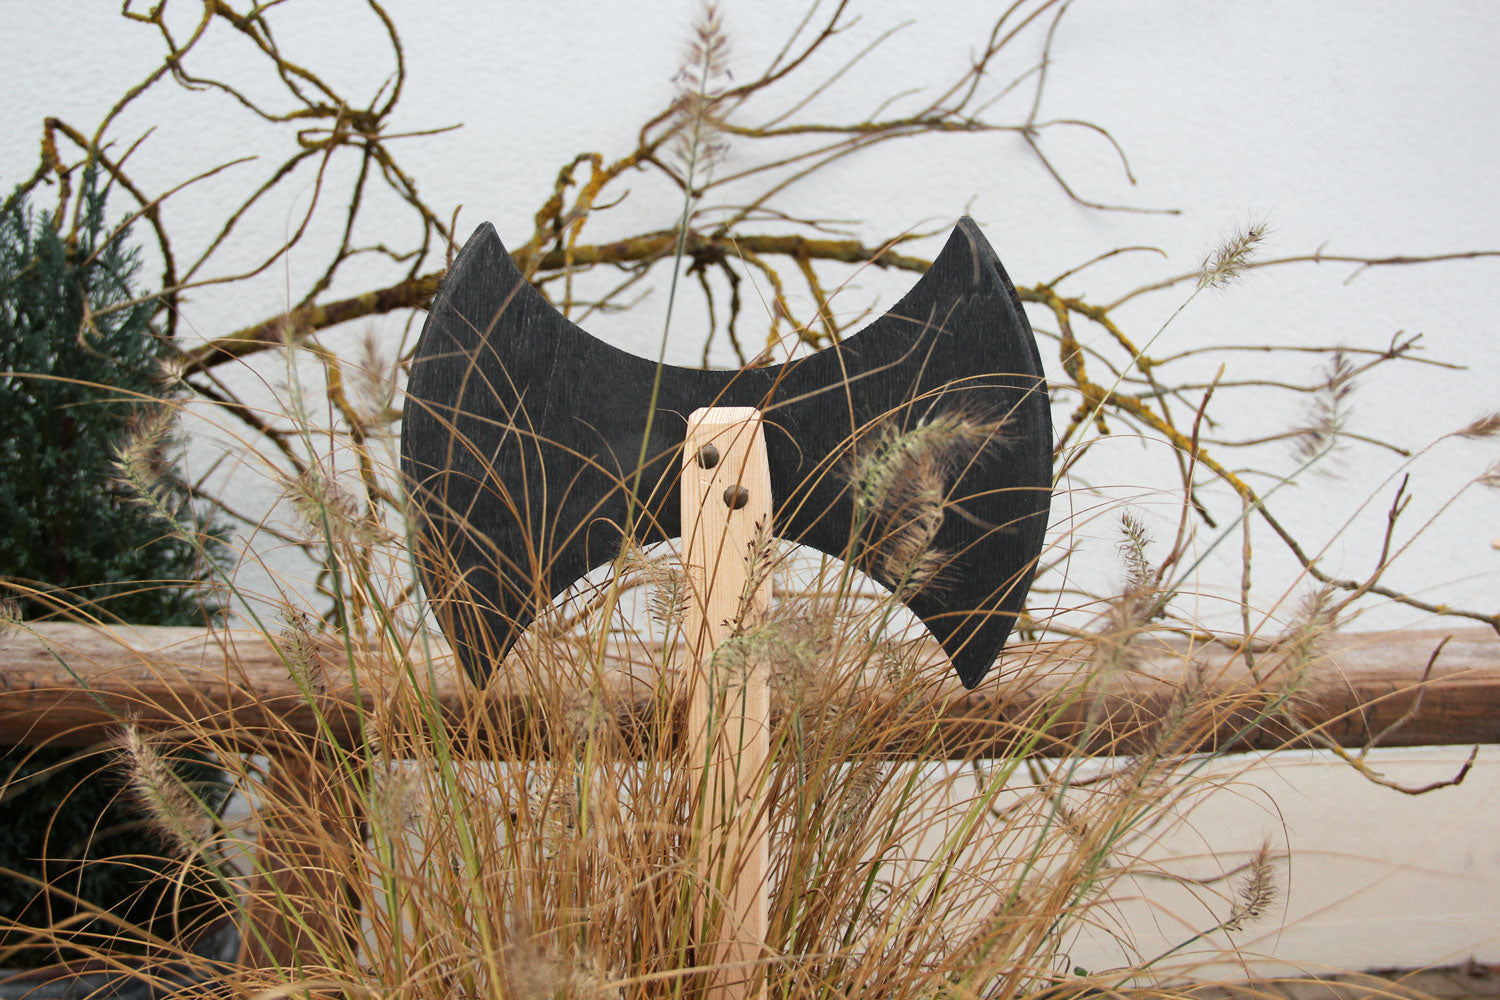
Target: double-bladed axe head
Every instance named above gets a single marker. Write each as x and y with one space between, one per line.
524 437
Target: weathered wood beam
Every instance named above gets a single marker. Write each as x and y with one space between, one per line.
73 684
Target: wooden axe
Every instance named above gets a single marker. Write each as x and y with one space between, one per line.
529 446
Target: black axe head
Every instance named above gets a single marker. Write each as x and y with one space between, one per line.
523 442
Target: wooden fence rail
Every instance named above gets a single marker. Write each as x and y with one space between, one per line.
72 684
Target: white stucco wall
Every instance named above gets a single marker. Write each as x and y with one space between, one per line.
1363 128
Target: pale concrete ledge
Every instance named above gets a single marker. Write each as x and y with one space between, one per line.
1452 982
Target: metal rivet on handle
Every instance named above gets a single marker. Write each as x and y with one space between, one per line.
708 457
735 497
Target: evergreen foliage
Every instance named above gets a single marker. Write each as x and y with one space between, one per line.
69 391
80 365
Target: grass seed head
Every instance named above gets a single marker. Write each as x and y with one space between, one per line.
1485 426
881 473
701 82
1329 412
326 507
760 563
861 789
667 604
900 485
144 462
791 651
176 814
905 552
1257 893
1230 259
374 378
1139 597
299 649
1300 648
1127 615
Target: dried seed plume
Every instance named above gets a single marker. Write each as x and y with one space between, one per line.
177 815
1230 259
1485 426
1300 648
901 484
325 506
1139 601
299 650
1329 413
700 83
1257 893
143 462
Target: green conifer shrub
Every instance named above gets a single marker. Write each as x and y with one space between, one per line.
80 364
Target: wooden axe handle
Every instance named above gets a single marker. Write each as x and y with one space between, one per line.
726 522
